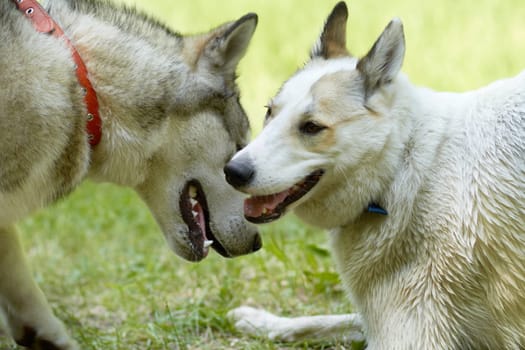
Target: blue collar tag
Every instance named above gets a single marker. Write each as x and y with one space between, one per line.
376 209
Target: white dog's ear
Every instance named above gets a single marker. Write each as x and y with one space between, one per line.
383 62
332 42
226 49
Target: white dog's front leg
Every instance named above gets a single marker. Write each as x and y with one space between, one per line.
345 328
28 317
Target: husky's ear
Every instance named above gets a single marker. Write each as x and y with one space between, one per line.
383 62
229 46
332 42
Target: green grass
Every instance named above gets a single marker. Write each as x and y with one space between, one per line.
100 257
110 277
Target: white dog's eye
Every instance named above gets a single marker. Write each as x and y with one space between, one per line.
311 128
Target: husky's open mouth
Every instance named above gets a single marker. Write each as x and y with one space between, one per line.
194 211
264 209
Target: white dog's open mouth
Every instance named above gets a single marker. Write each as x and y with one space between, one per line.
264 209
194 212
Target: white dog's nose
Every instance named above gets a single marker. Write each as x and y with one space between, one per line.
239 172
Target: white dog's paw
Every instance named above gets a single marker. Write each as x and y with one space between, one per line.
261 323
251 321
257 322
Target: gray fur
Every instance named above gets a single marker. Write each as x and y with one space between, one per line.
171 116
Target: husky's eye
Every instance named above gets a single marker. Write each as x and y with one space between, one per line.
311 128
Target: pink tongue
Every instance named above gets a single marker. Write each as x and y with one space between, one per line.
254 206
200 218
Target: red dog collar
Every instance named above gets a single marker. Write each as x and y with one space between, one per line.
43 23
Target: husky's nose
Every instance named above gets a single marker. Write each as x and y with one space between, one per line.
239 172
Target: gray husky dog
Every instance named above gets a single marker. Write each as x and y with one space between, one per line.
423 193
171 118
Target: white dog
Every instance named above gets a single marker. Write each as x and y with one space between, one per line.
423 194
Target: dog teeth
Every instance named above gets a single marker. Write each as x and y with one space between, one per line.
193 202
195 214
265 211
192 192
207 243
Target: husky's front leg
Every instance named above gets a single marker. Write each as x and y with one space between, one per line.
28 317
344 328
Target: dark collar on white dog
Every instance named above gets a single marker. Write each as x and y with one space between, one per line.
376 209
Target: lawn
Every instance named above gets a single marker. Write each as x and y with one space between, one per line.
101 259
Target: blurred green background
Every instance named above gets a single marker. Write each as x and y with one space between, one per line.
100 257
451 44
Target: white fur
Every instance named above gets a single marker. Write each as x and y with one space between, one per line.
262 323
446 268
297 90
